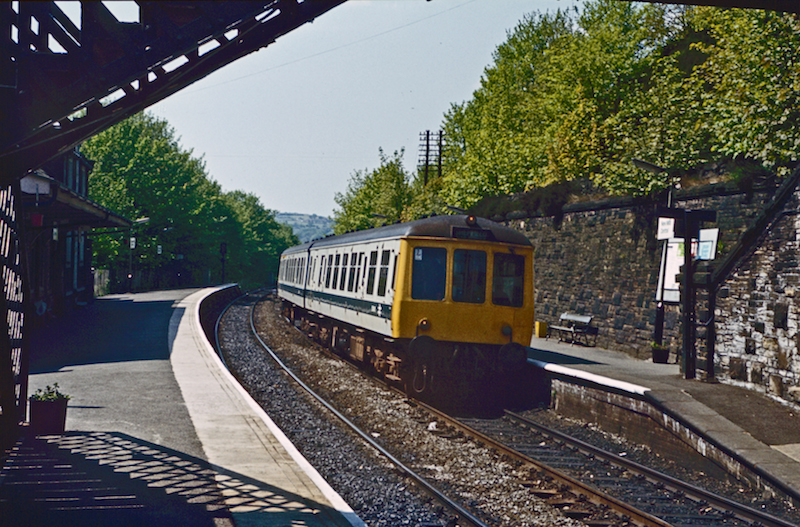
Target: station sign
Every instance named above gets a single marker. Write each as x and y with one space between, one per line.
672 258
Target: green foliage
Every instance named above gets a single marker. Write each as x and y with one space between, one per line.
426 200
373 198
141 171
750 84
574 95
50 393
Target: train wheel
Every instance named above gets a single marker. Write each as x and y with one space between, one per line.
512 356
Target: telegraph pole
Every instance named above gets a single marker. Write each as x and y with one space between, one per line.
430 152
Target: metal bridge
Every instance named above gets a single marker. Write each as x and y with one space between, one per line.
62 82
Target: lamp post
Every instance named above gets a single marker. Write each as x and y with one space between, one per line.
132 238
658 326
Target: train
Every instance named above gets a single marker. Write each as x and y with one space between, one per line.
443 306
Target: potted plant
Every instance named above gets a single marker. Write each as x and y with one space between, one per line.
660 353
48 411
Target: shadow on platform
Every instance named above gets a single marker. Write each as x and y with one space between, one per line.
111 329
556 358
102 478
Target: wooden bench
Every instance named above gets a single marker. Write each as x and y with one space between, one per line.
574 328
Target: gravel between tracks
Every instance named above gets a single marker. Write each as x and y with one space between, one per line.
484 483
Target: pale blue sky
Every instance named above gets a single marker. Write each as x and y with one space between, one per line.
292 122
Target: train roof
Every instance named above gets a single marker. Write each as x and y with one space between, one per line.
434 227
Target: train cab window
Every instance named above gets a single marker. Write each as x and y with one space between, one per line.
383 277
469 276
428 273
509 277
373 263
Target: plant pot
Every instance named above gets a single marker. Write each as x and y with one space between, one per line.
48 417
660 355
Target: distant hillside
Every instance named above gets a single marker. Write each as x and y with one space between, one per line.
307 227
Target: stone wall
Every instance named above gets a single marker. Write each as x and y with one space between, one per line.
602 259
758 334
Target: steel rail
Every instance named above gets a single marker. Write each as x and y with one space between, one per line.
449 503
741 512
592 495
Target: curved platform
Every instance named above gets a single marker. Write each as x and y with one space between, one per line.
744 432
158 431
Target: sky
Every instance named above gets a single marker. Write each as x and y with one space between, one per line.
294 121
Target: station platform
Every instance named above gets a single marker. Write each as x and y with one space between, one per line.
751 429
158 432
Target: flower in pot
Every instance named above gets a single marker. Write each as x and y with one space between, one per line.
48 411
660 353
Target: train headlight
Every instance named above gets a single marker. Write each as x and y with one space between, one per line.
506 330
471 220
424 324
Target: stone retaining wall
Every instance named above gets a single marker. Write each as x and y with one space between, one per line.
602 259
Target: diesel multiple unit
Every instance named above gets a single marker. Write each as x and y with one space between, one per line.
442 305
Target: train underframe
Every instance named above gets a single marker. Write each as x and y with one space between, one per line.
453 375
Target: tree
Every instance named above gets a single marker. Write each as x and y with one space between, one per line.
579 95
750 84
260 239
373 198
141 171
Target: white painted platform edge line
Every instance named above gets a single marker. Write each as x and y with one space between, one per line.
335 499
591 377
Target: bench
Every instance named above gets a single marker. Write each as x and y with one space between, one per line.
574 328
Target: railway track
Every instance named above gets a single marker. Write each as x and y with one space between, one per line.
463 516
655 494
594 487
589 506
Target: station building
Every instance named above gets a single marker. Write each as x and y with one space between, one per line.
57 221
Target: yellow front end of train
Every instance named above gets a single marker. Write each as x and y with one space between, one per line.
460 290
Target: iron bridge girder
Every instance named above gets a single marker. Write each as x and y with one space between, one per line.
60 84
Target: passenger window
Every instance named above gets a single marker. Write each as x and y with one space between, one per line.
469 276
373 262
343 281
394 273
353 266
329 271
359 274
335 272
384 274
428 273
509 279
